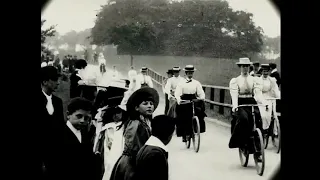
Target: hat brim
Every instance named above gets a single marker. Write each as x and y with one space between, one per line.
189 69
140 93
238 63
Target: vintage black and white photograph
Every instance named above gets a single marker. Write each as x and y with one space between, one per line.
160 90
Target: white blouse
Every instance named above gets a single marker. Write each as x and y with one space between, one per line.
186 87
246 86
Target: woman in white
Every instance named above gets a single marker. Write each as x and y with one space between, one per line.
114 135
269 90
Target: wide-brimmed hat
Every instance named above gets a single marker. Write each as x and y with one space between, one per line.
176 68
189 68
244 61
265 66
144 69
142 94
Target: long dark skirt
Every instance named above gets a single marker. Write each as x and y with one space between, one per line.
123 169
184 113
167 104
242 124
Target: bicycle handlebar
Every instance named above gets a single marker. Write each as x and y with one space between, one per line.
272 98
189 101
250 105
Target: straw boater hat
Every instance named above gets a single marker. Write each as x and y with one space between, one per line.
265 66
189 68
140 95
176 69
144 69
244 61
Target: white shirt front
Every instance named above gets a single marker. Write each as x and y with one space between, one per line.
154 141
186 86
76 132
144 79
49 105
172 84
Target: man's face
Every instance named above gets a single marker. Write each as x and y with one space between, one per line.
189 74
51 85
79 119
144 73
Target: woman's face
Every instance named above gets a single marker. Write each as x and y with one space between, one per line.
265 73
117 117
244 68
145 108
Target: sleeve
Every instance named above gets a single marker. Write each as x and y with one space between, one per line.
257 90
178 92
168 87
154 166
135 137
275 88
234 91
150 83
200 91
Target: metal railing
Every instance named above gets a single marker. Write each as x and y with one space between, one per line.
217 94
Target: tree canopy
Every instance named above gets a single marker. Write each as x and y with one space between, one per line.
45 33
204 28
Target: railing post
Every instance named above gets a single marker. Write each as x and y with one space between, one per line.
211 97
221 108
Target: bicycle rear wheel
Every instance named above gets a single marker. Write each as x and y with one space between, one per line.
196 133
276 138
258 142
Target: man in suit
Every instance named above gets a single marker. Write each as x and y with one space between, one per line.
274 73
51 115
75 149
152 158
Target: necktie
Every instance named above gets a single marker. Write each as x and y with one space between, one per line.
189 80
50 106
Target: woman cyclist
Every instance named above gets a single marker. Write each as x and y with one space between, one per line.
269 90
244 89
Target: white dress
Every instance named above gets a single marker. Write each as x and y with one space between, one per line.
269 90
115 137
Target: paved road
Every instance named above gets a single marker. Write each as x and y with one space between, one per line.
214 160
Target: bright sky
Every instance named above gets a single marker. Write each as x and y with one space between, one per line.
79 15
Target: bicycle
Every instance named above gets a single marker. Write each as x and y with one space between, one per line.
275 137
195 128
244 153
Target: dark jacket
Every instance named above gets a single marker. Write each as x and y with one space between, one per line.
49 131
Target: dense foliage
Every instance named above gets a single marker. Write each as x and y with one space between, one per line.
161 27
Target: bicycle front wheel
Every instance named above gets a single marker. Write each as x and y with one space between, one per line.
276 136
259 151
196 133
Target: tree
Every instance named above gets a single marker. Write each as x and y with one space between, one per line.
206 28
44 35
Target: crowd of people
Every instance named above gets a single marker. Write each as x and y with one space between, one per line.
113 135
